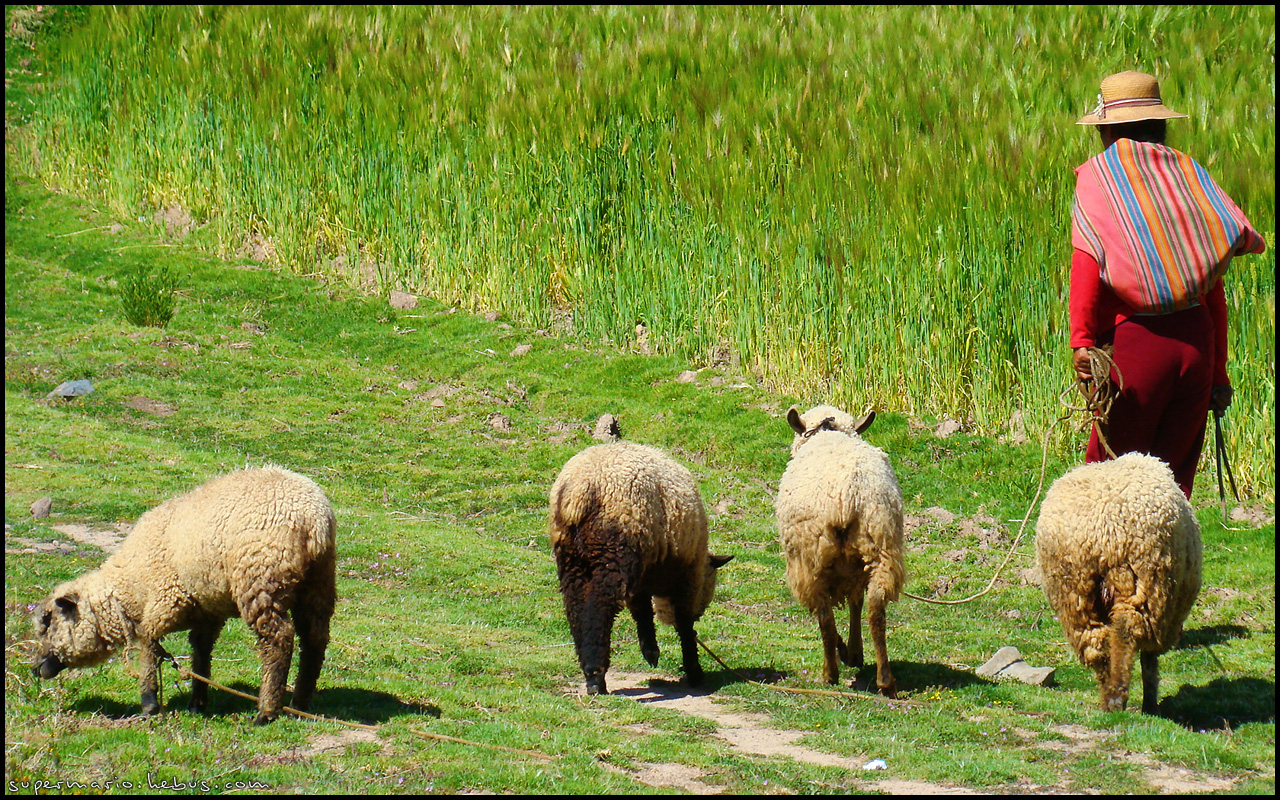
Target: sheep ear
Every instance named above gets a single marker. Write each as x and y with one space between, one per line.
67 604
719 561
793 419
865 422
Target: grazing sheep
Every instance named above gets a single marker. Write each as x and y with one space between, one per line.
839 515
628 528
258 543
1119 550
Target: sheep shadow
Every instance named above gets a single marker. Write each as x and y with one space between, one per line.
1222 703
351 705
1213 634
920 675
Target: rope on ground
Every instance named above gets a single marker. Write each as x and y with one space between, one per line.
1099 394
187 674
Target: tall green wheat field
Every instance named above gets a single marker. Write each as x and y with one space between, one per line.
868 206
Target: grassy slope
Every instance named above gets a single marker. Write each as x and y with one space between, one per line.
449 620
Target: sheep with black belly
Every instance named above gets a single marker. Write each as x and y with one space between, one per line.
628 528
1119 550
257 543
839 516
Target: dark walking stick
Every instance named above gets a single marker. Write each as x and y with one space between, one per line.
1221 447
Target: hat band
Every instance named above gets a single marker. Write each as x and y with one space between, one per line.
1134 102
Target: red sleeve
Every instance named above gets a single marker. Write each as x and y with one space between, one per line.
1216 300
1086 289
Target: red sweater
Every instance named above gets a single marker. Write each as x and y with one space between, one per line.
1096 311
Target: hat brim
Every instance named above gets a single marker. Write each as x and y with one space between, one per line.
1121 115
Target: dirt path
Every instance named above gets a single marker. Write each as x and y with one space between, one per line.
746 733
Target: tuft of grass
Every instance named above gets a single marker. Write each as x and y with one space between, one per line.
148 297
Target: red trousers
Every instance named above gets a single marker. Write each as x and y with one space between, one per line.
1166 367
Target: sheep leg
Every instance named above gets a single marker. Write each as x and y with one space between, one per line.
591 606
853 650
149 682
1115 683
885 681
202 637
832 646
275 648
642 612
1150 683
684 620
311 617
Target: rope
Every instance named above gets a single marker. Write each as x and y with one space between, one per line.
1098 391
1099 394
187 674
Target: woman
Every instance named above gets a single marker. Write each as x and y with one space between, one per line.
1152 236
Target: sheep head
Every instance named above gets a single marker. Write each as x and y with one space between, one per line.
824 418
68 633
666 612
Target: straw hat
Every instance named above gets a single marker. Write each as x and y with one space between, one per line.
1128 97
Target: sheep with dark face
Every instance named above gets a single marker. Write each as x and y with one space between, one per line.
256 543
628 528
1118 547
839 515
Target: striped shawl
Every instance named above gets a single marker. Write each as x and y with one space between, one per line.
1160 229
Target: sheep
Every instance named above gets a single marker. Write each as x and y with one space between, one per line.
1119 551
256 542
628 528
839 517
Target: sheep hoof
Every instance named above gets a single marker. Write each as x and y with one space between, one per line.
596 686
263 719
650 655
150 709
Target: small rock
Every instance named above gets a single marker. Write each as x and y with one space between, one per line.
402 300
1008 663
500 422
946 428
1030 576
491 316
607 429
940 514
71 389
520 350
40 508
688 376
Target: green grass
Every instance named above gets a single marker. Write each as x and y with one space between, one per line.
863 204
449 620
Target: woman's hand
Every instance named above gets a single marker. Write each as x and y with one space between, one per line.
1080 360
1220 399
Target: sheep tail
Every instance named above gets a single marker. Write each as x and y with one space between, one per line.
322 537
575 501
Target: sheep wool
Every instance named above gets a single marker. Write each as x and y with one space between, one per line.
839 517
256 543
1118 547
628 528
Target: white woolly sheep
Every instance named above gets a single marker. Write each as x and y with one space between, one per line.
1119 551
257 542
839 515
628 528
